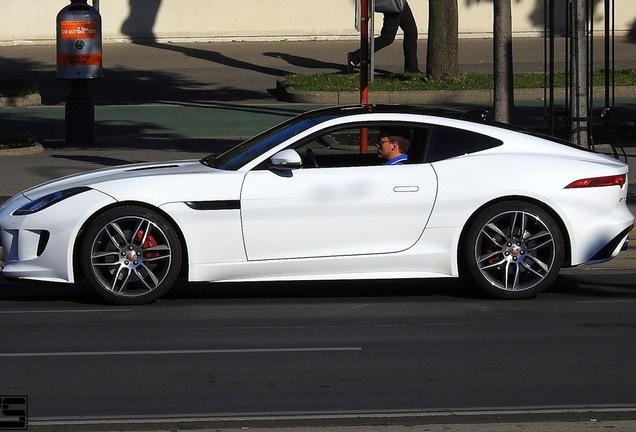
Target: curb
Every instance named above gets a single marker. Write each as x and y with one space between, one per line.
32 149
288 93
32 99
19 101
20 145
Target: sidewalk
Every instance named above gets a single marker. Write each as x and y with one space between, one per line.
243 72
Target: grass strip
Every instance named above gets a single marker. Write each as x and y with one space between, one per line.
338 82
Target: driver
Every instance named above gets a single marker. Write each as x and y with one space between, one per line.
393 145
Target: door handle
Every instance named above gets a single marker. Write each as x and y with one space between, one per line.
406 188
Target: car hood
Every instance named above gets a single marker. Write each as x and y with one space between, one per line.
127 173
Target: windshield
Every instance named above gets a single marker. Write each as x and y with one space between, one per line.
245 152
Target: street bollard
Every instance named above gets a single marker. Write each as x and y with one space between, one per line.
79 60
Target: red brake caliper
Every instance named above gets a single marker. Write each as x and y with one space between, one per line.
150 242
492 260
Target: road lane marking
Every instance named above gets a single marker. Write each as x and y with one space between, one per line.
302 327
606 301
63 311
179 352
492 415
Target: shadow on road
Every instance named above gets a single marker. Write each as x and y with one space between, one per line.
595 287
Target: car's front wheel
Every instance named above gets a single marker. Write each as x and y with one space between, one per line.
514 250
131 255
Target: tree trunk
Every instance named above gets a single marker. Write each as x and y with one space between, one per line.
502 40
443 40
578 86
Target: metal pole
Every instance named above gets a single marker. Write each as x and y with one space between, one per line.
607 53
364 51
551 64
609 78
371 40
589 37
79 114
364 67
613 54
568 65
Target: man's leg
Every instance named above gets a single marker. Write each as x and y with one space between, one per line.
409 27
390 26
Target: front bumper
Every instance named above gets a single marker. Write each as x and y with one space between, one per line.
40 246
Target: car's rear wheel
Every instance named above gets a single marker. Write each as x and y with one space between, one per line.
131 255
514 250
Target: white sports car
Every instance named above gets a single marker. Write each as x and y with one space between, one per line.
310 200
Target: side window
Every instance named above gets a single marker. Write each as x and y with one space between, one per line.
338 148
446 142
341 147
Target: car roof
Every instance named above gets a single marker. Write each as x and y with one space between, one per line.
479 115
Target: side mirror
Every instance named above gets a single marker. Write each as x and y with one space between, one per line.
286 160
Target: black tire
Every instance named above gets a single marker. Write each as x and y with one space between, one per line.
131 255
513 250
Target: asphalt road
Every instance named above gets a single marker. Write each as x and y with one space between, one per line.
319 349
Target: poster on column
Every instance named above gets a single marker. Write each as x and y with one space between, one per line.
79 43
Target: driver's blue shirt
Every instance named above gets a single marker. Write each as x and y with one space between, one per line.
398 160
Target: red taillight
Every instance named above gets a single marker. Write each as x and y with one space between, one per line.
615 180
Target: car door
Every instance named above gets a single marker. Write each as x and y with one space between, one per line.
331 211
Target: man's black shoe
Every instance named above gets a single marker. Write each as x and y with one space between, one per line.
351 63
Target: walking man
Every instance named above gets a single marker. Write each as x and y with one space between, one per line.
392 21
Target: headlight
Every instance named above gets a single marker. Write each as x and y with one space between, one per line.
48 200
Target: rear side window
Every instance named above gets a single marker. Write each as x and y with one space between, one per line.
446 142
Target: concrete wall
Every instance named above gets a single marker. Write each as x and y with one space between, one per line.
33 21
